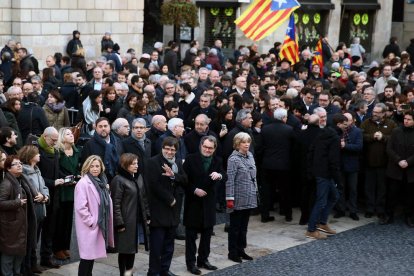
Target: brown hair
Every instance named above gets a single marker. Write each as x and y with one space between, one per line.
127 159
27 153
9 161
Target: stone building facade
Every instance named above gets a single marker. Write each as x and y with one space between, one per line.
46 26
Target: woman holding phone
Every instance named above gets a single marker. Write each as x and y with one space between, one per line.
69 171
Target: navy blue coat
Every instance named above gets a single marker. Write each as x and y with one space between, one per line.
350 154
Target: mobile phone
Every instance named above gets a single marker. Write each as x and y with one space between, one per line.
69 179
405 106
223 127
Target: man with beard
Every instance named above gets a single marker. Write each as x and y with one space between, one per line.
105 144
376 131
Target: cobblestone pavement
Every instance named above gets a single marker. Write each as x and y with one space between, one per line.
280 248
368 250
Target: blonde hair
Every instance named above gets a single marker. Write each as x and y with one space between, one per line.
240 138
88 162
61 137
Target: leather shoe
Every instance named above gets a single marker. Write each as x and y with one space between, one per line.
354 216
194 270
369 214
384 219
37 269
59 255
226 228
49 264
339 214
207 265
267 219
180 237
235 259
244 256
410 222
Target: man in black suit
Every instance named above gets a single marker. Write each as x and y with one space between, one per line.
165 174
204 171
276 164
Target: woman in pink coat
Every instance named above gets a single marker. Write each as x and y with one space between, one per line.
93 214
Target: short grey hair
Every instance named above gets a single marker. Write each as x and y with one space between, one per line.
118 123
169 82
140 121
280 113
240 138
210 138
319 110
292 93
242 114
173 122
154 78
213 51
382 106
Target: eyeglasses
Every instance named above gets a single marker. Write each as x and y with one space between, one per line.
138 127
17 164
209 148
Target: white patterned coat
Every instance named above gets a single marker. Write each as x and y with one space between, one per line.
241 185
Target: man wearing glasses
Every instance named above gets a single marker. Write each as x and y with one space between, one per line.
165 175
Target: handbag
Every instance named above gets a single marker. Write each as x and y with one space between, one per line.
31 138
76 131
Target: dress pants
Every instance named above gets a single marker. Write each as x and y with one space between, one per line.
375 190
349 185
161 249
63 232
326 197
191 247
400 191
85 267
239 221
277 179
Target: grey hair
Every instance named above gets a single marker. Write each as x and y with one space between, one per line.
382 106
210 138
154 78
205 118
292 93
313 119
118 123
280 113
173 122
49 131
140 121
124 86
213 51
319 110
356 40
156 119
169 82
244 51
242 114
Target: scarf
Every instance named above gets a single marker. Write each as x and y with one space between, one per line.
44 145
206 162
104 208
140 141
56 108
171 161
111 158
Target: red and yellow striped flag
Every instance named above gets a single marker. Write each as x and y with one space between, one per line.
263 17
317 56
290 48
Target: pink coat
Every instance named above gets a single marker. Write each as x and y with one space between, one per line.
90 239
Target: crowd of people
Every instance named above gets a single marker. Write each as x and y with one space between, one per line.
145 150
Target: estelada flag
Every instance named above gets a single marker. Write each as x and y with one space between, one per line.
318 57
263 17
290 48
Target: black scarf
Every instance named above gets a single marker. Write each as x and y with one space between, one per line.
100 183
111 157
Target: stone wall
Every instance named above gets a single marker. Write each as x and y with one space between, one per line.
45 26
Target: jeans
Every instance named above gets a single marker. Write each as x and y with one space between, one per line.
11 264
326 197
349 181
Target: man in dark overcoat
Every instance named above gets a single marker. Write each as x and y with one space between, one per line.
204 171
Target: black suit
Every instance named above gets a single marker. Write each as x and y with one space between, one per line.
164 217
200 212
277 139
132 145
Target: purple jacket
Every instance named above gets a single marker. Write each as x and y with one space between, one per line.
91 242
